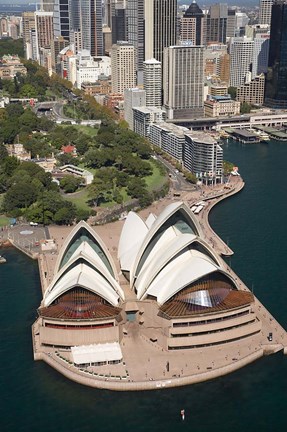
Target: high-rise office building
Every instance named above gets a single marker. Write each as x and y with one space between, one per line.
86 17
231 23
28 22
47 5
260 54
123 67
119 21
191 27
183 81
151 26
252 91
224 68
160 27
61 19
44 31
216 23
58 44
134 97
136 31
241 55
152 82
265 7
276 78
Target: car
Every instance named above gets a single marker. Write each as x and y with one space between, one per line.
270 337
33 224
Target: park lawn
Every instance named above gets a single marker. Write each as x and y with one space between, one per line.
80 199
156 180
4 220
88 130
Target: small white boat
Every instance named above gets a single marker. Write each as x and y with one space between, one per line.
2 259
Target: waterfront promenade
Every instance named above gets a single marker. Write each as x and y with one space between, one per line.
145 362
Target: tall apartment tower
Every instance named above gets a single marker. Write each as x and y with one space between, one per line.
265 7
152 82
61 19
216 23
276 78
123 67
192 25
183 81
86 18
241 54
28 22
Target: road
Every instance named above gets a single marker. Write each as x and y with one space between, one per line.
178 181
55 113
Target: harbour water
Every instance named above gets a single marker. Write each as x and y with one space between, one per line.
34 396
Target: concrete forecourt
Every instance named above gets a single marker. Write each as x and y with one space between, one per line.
148 302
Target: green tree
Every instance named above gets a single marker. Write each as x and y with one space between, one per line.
245 108
70 183
233 92
65 215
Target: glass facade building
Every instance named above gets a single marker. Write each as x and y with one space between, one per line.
276 78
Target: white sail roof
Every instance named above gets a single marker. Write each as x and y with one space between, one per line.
167 213
132 235
170 249
97 240
86 277
182 271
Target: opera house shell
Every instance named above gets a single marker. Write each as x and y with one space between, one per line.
164 281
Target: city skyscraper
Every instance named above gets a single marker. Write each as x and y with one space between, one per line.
86 17
119 21
61 19
260 54
276 78
152 26
216 23
183 81
160 27
265 7
241 54
192 25
28 22
152 82
136 31
44 31
123 67
47 5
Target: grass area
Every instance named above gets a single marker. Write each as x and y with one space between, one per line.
156 180
88 130
4 221
79 199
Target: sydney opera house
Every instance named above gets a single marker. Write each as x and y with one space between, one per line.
162 284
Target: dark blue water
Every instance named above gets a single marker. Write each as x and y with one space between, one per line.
35 397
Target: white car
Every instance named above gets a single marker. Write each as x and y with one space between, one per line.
33 224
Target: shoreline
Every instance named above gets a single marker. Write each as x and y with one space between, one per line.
209 372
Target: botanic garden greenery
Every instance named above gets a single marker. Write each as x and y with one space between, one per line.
118 158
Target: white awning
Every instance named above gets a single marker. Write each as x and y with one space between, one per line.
96 353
